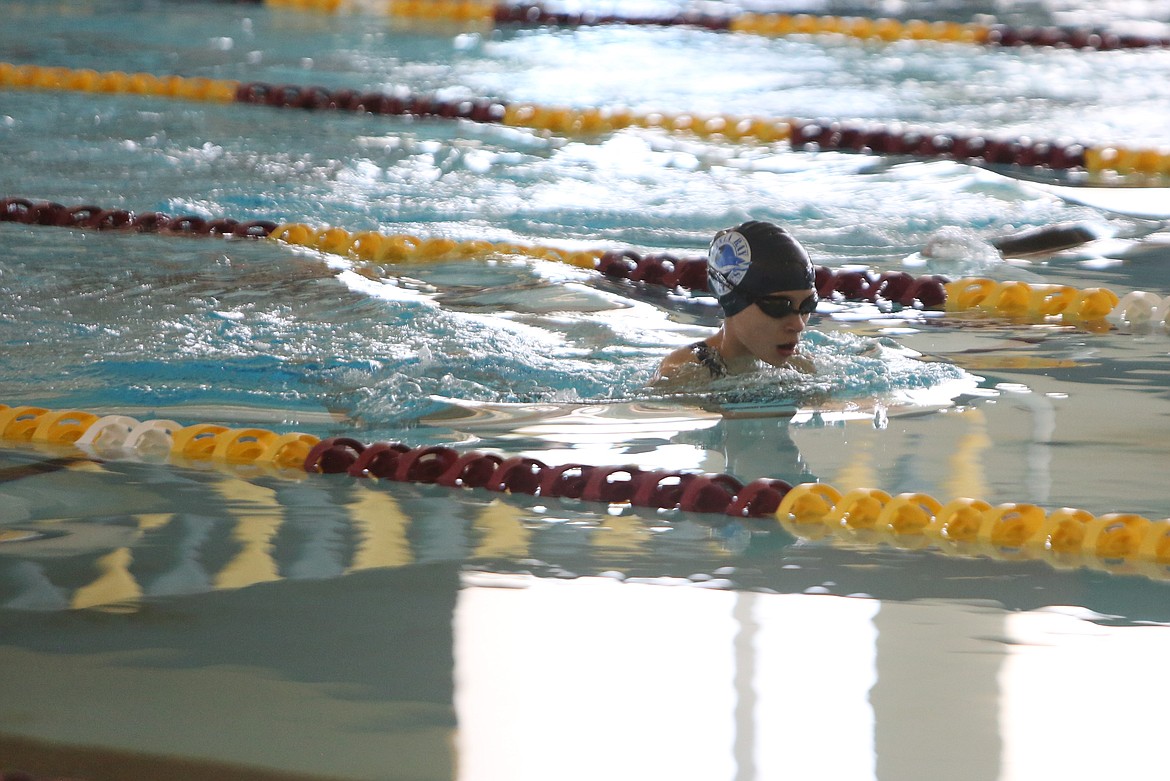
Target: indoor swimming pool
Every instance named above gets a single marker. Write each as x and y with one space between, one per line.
168 613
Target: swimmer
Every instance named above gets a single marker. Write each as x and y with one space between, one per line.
764 280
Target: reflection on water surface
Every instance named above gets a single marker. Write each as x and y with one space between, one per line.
382 630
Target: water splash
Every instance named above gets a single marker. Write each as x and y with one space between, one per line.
956 251
850 369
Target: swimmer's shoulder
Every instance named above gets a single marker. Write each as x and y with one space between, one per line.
700 363
683 366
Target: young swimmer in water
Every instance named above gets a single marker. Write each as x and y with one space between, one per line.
764 280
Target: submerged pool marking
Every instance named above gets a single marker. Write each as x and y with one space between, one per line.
802 134
1064 537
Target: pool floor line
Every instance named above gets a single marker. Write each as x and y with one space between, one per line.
29 759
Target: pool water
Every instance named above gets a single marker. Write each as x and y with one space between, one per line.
161 619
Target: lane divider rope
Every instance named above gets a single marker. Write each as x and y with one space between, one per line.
1119 542
1011 299
800 134
884 29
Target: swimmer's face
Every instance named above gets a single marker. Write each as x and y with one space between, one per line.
770 329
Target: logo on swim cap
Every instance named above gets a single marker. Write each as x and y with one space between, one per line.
728 261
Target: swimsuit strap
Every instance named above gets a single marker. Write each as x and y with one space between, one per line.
709 358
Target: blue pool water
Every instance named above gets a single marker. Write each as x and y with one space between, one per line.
166 620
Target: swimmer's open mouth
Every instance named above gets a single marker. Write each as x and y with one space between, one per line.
788 347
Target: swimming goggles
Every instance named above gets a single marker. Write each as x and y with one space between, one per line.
782 306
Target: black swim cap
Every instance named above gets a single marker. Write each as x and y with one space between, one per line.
752 260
